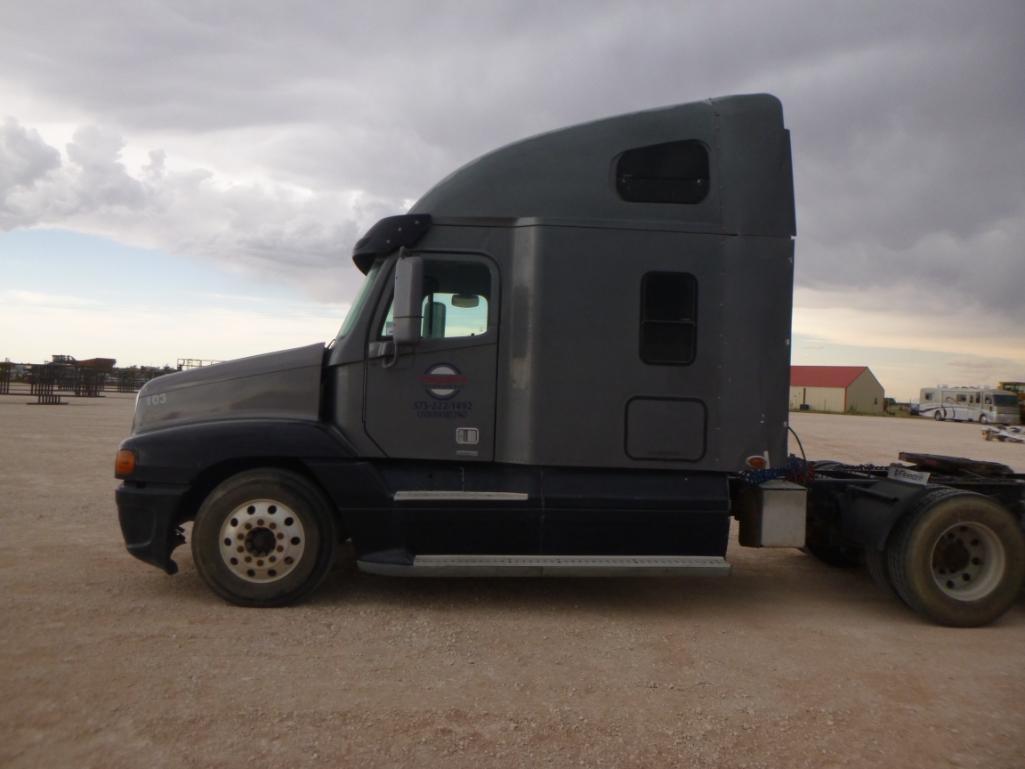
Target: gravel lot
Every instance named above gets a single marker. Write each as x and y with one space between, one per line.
107 662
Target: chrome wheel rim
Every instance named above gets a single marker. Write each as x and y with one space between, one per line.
968 561
262 540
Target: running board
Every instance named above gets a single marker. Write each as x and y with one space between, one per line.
551 566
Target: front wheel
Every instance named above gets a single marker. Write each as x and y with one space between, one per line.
937 415
958 558
264 538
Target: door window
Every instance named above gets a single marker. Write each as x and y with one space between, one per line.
457 297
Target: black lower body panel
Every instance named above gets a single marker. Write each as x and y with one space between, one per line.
635 532
149 518
635 513
394 512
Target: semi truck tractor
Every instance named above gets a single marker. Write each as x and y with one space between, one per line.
570 357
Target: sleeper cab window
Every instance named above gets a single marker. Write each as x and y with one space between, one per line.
456 299
674 172
669 307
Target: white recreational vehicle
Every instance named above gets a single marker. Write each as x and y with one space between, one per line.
969 404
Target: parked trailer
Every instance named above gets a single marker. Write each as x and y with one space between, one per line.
969 404
570 357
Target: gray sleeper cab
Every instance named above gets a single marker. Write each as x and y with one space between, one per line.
559 361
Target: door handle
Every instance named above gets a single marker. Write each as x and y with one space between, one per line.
384 349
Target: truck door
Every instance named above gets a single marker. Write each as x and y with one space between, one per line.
436 400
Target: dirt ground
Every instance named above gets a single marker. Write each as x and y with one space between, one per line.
107 662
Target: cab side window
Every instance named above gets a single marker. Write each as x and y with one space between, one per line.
669 316
675 173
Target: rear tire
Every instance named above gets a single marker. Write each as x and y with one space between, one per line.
876 564
958 558
264 538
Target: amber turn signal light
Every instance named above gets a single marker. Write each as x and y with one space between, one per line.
124 465
756 462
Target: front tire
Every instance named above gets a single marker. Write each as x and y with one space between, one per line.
958 558
264 538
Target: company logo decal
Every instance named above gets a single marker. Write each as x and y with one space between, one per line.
443 381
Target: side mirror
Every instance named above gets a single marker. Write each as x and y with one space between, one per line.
408 299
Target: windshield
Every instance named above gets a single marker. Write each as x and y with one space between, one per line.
361 299
1005 400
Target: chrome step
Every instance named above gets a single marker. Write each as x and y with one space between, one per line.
552 566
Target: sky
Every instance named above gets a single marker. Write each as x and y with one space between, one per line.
184 179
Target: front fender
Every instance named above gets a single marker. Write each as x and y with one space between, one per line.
178 455
170 477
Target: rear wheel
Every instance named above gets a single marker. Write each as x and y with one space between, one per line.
958 558
875 563
264 538
937 415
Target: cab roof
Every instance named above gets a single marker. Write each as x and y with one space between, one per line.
599 171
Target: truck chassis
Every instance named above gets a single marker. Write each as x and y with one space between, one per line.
944 534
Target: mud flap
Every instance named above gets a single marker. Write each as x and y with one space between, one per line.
872 511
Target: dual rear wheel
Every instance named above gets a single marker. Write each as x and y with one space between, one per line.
956 557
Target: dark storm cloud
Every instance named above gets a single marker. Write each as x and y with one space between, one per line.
908 119
284 235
